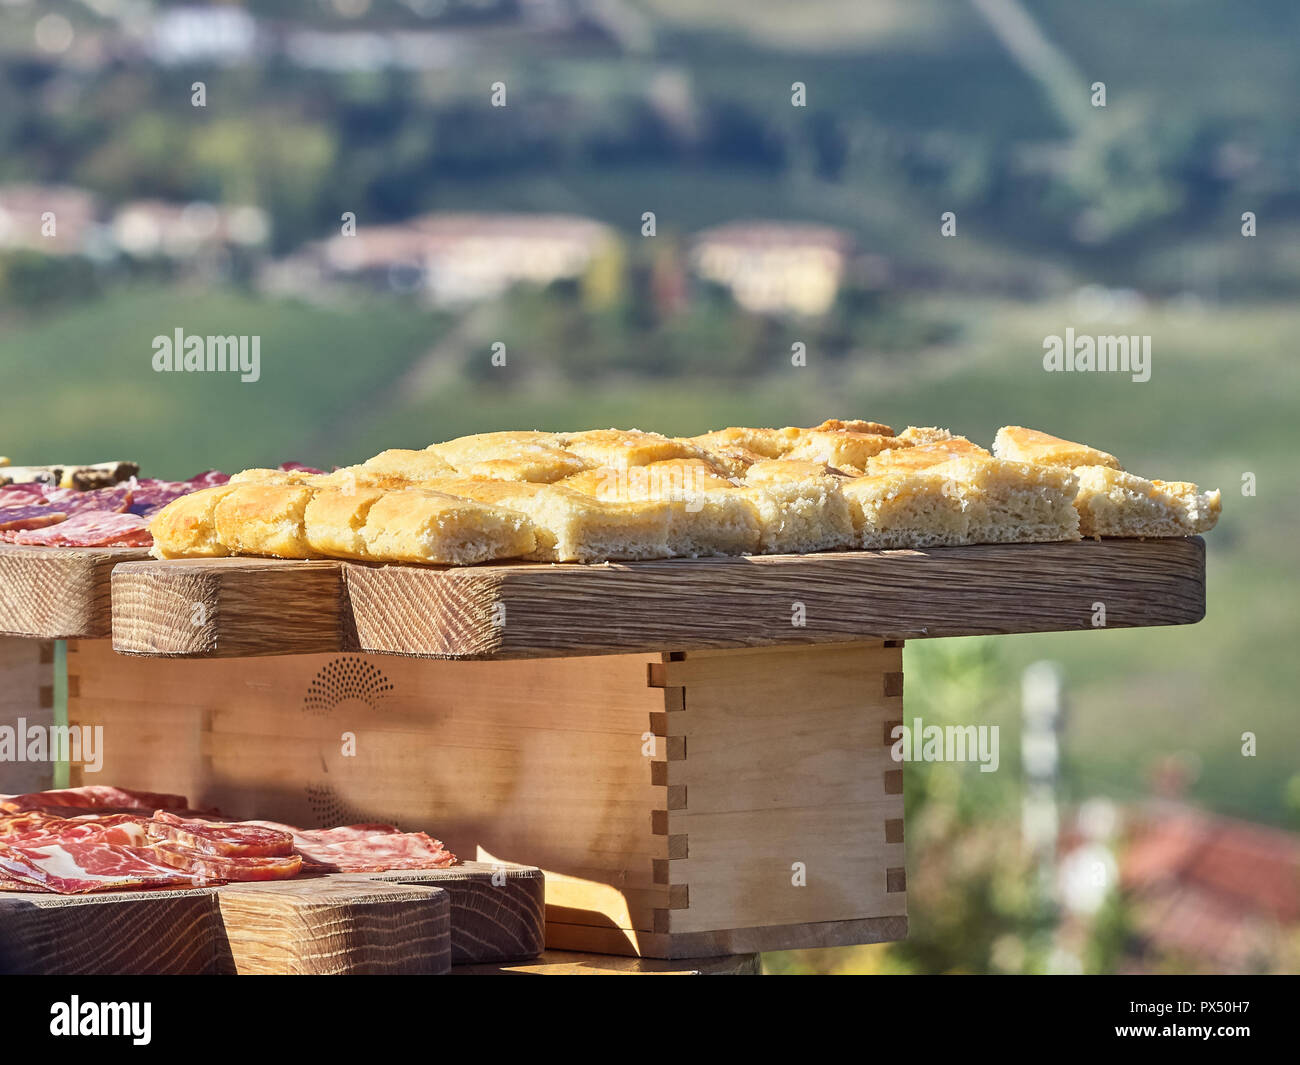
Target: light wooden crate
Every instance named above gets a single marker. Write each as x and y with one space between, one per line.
689 804
26 699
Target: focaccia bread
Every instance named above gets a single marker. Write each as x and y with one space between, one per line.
907 508
527 456
800 507
186 528
263 519
1112 502
624 495
420 525
1029 445
570 526
1013 502
708 513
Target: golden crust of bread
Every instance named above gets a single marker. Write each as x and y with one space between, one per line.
334 518
1013 502
419 525
573 527
621 448
406 465
709 515
921 456
841 448
1029 445
766 443
532 456
1112 502
856 426
906 508
263 519
185 528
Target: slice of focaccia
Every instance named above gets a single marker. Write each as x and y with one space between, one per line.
923 455
263 519
907 508
709 515
800 507
572 527
185 527
1112 502
1013 502
1029 445
420 525
523 456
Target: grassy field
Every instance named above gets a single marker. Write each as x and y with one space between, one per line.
1220 403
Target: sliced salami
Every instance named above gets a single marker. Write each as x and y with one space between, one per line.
92 529
37 516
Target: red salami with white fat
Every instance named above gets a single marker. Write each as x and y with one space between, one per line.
92 528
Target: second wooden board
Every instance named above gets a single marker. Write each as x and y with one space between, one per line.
242 607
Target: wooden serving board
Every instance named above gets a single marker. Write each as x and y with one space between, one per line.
244 607
58 593
413 921
324 925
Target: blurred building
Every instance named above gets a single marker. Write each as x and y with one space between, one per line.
1215 893
774 267
148 229
54 219
456 258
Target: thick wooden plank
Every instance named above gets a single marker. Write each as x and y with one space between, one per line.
573 963
228 608
323 925
126 933
335 926
528 610
246 607
26 700
58 593
497 910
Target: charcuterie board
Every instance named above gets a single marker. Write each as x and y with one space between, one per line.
239 607
399 922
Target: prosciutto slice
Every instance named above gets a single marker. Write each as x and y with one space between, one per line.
376 854
223 867
78 868
94 797
126 829
222 838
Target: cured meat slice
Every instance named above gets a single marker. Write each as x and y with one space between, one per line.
341 834
123 829
224 867
20 824
115 500
77 868
92 528
376 854
93 797
229 839
38 516
208 479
